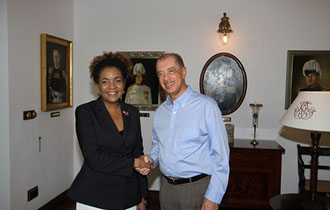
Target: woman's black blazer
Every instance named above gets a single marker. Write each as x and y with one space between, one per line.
107 178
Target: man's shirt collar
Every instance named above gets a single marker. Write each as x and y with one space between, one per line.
182 99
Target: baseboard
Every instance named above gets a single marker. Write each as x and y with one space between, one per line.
61 198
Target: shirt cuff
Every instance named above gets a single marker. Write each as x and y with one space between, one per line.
155 160
214 195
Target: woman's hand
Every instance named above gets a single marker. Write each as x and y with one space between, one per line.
143 164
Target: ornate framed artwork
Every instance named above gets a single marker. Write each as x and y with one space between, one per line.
143 89
306 71
223 78
56 73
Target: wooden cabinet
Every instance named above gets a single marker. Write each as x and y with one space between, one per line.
255 174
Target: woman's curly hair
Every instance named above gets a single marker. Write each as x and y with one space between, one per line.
110 59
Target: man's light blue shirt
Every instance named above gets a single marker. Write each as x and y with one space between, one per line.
189 138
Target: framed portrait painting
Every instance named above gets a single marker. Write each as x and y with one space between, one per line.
306 71
56 73
224 79
143 89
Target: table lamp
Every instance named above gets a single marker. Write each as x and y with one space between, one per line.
310 111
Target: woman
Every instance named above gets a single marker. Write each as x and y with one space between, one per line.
109 136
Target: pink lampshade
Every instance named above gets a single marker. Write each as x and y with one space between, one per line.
309 111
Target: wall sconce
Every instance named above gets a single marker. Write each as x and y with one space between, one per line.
224 29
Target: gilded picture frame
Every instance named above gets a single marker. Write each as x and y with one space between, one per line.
56 73
223 78
297 79
152 95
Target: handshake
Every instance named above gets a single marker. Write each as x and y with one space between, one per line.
143 164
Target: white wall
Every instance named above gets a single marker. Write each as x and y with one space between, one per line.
263 33
51 169
4 107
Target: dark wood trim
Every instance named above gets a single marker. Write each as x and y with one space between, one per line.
153 200
52 204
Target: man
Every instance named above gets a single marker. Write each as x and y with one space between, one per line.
56 80
312 74
189 143
138 93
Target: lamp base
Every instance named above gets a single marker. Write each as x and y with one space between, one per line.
314 162
254 142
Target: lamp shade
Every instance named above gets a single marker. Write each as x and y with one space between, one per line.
309 111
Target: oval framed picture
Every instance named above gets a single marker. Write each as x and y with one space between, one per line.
224 79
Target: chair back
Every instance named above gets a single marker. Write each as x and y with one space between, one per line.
302 165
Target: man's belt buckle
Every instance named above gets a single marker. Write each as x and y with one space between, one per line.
173 179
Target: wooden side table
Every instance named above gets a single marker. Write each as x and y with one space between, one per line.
255 174
299 201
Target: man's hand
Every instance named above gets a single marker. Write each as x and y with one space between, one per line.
143 164
209 205
148 159
142 205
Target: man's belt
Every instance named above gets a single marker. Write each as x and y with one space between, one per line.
176 180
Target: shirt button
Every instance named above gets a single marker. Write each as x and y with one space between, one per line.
166 155
167 169
174 112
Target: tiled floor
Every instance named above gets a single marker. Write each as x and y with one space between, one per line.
68 205
153 203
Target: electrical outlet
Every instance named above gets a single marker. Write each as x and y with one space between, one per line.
28 115
32 193
142 114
